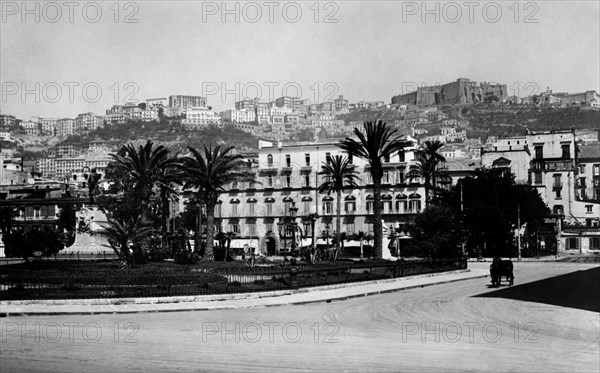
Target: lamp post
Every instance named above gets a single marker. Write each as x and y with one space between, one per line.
281 226
293 212
327 226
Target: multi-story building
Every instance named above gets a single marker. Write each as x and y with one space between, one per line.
65 127
46 167
200 118
294 103
86 122
246 104
7 120
239 115
288 175
156 103
187 102
48 126
5 136
555 169
68 150
148 115
31 128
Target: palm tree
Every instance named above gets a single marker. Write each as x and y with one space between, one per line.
428 168
339 174
123 233
375 143
210 172
140 169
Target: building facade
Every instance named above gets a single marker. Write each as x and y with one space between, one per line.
187 102
288 176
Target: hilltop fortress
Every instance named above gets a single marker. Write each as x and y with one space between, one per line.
462 91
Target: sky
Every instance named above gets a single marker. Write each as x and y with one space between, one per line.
59 59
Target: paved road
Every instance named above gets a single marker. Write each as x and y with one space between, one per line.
463 326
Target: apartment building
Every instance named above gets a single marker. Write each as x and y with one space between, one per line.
31 128
156 103
239 115
65 127
288 175
198 118
187 102
86 122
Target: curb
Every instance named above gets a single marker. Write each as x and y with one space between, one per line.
245 296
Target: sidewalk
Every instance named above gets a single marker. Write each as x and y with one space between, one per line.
231 301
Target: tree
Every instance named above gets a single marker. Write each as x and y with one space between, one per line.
139 170
339 174
436 231
375 143
428 168
209 172
491 200
124 235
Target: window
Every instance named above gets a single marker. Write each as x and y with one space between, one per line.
401 207
566 151
235 228
350 159
558 194
251 185
288 160
269 160
252 230
386 158
327 207
589 209
269 227
234 209
269 208
414 206
539 151
306 180
251 209
369 207
350 206
307 231
386 177
234 185
288 181
400 179
594 243
328 157
218 210
596 170
370 228
306 207
269 181
402 156
286 208
537 177
350 228
558 210
307 159
557 181
572 243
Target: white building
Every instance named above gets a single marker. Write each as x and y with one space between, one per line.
197 118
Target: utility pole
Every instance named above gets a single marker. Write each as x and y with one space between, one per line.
519 230
462 219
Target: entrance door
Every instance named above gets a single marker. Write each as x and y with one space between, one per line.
271 246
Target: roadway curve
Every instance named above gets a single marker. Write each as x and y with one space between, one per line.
376 333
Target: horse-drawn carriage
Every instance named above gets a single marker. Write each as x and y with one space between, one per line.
501 268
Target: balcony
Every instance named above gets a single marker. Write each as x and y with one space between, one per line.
552 165
557 186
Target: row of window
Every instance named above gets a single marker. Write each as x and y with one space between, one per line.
573 243
250 229
307 159
287 181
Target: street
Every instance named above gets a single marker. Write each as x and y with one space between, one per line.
548 321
